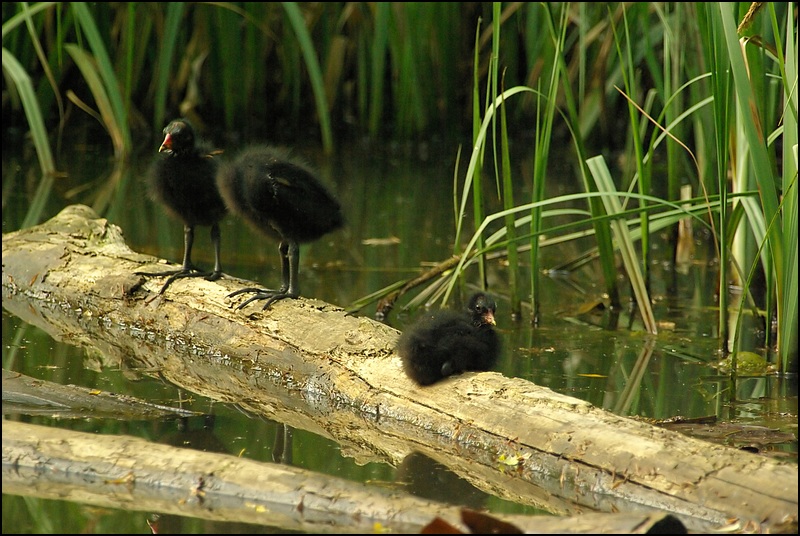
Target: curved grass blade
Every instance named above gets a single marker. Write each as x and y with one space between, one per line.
33 113
93 78
118 126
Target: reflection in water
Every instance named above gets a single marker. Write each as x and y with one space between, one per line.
196 433
427 478
282 450
199 433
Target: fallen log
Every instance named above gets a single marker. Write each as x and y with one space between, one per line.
130 473
310 365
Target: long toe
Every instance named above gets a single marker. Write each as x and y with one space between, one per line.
159 274
213 276
276 297
271 296
181 274
249 289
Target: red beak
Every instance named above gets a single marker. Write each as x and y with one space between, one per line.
167 145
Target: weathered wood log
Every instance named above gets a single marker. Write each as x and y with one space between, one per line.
130 473
310 365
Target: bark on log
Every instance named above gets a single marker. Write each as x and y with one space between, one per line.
310 365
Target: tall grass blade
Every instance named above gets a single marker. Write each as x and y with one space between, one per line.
674 105
168 41
605 184
760 166
479 150
788 303
627 69
314 72
719 66
755 136
508 202
544 130
378 65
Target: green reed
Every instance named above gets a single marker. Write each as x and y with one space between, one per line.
748 206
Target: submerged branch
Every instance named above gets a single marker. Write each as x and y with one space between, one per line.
386 304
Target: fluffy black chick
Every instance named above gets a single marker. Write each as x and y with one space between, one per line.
443 343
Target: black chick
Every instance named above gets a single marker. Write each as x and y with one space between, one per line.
183 180
282 199
444 343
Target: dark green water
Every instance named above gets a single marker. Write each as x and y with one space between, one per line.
399 208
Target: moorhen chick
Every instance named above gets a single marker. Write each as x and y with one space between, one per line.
183 180
443 343
283 199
